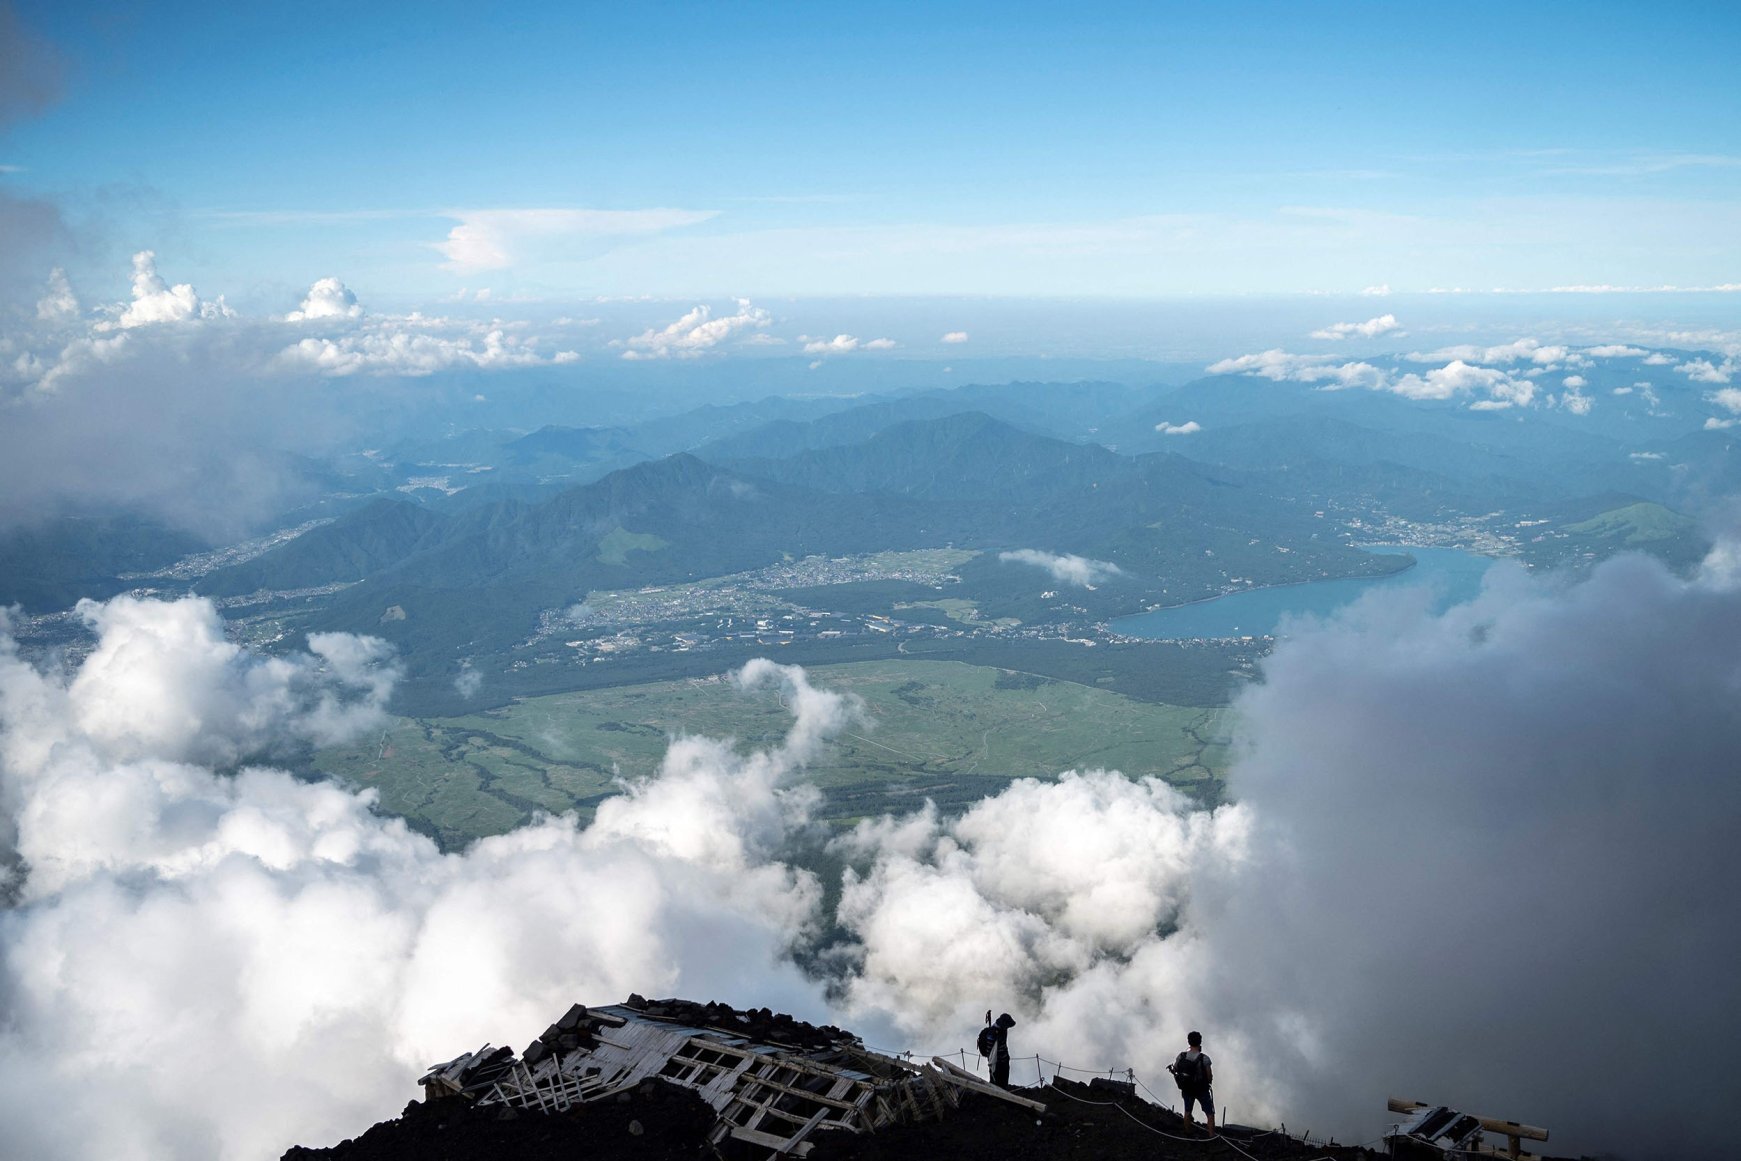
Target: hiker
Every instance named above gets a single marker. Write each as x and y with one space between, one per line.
1194 1076
994 1045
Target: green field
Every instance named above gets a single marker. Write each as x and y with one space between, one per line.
938 729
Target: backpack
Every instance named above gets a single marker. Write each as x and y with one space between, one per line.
1187 1073
987 1040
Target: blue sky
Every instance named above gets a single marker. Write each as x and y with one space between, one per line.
894 149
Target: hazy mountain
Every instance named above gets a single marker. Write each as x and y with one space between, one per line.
51 565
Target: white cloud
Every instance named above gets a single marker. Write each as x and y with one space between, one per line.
1065 568
327 298
1382 290
1316 964
695 333
288 959
468 680
1275 364
1575 381
1714 424
1645 457
1189 427
843 344
955 337
1498 389
1658 359
1522 350
59 304
413 353
1728 398
155 301
495 239
1577 404
1704 371
1459 378
1616 351
1371 328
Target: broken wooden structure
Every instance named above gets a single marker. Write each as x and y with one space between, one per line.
774 1081
1435 1131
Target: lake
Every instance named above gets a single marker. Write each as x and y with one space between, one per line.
1454 575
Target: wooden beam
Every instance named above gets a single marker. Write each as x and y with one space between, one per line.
1491 1124
960 1076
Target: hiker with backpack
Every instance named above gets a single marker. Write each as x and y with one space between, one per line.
1194 1076
994 1045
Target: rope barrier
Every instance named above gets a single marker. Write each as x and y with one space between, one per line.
1130 1074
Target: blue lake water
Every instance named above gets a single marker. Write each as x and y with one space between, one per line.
1454 576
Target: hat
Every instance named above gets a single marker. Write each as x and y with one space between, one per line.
1006 1021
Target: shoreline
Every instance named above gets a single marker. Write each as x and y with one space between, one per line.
1285 585
1376 549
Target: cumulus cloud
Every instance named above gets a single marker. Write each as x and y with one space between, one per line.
289 960
155 301
1066 568
1534 831
1728 398
205 426
497 239
843 344
1573 398
59 304
999 908
1276 364
1493 389
1371 328
955 337
1705 371
393 351
1388 890
695 333
327 298
1616 351
1189 427
1459 378
1394 892
1522 350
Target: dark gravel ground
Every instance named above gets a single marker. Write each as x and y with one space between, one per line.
1079 1123
655 1121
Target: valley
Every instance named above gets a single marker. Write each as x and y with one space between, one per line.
945 731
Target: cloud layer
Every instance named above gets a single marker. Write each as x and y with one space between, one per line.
1462 844
1485 388
288 959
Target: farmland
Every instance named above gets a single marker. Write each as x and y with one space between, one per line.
933 729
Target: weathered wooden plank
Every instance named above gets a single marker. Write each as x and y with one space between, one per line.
961 1077
769 1140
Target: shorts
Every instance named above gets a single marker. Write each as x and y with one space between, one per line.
1201 1096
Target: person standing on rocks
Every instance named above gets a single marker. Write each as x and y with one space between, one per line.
1195 1077
994 1045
